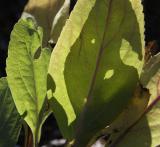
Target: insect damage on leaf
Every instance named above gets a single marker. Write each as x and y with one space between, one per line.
27 66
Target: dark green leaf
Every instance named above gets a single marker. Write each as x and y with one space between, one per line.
10 121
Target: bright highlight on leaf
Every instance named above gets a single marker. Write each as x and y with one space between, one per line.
129 56
109 74
93 41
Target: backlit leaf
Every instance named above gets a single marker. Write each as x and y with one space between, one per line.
27 66
96 65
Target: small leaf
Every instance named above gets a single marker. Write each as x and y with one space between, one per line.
27 73
103 37
10 121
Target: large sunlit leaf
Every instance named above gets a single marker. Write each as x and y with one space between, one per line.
61 105
10 121
96 64
27 66
49 14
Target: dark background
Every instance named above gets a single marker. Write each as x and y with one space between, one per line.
10 11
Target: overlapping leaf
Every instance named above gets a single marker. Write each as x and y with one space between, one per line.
96 64
10 121
150 76
145 126
49 14
147 129
27 66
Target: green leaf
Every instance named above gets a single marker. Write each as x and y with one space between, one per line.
60 20
90 68
150 75
10 122
49 14
27 66
147 127
130 115
61 104
147 130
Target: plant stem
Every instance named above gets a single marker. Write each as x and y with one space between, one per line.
154 102
28 137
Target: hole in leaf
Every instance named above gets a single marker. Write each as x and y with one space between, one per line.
93 41
109 74
51 43
37 53
106 137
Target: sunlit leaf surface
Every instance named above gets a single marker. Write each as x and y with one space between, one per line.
95 65
27 66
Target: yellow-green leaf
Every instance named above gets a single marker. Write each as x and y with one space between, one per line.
27 66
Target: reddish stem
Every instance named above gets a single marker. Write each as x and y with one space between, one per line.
28 138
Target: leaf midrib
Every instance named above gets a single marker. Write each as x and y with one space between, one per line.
100 53
33 74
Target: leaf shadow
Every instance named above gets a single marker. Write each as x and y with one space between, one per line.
59 112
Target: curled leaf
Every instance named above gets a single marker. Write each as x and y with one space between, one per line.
49 14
